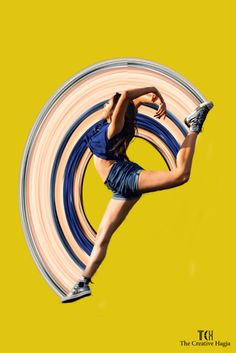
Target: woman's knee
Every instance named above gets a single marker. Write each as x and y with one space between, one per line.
182 176
102 240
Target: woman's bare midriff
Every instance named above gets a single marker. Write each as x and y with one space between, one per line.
103 166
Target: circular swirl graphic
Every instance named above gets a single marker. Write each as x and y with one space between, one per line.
56 156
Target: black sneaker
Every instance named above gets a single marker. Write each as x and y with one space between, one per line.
81 289
196 119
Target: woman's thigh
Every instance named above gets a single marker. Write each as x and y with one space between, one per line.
153 180
114 215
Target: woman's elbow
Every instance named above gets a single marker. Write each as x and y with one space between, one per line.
126 95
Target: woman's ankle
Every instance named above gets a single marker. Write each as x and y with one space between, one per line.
86 279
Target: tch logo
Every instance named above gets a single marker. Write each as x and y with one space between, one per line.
207 335
204 338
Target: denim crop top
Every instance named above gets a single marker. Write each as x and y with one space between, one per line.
99 143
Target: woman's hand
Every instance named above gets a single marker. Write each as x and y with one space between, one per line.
161 111
157 98
157 94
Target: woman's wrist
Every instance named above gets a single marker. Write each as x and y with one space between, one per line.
155 90
158 94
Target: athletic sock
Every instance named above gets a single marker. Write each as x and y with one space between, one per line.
87 279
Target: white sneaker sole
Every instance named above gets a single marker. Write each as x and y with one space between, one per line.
72 297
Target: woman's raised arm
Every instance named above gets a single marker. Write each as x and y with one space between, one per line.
137 92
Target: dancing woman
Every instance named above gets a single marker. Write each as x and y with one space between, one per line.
127 179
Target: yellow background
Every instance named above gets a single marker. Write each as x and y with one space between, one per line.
170 268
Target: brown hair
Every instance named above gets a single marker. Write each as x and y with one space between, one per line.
119 149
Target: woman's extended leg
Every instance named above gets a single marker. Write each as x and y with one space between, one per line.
114 215
184 157
150 180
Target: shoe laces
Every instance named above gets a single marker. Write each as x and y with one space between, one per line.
81 283
87 280
202 115
200 118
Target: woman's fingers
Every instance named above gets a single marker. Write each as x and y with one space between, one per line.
157 114
161 111
162 115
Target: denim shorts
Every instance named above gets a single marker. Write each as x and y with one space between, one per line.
123 180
